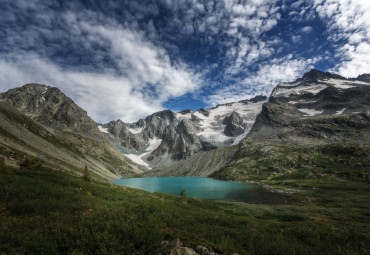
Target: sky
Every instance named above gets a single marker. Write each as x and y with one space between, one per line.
128 59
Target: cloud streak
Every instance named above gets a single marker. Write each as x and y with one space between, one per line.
124 59
137 78
348 24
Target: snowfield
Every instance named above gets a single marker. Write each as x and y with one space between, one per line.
299 90
103 130
213 129
138 159
310 112
135 130
286 89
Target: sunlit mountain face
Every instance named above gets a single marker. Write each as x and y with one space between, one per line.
128 59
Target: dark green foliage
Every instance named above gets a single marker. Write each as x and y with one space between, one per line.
86 175
3 166
48 212
183 197
31 164
282 162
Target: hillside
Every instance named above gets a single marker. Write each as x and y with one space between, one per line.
50 212
310 142
165 138
317 127
64 137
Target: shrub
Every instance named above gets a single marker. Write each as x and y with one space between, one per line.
86 175
184 198
3 166
31 164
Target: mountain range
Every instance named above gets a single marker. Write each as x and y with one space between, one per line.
319 108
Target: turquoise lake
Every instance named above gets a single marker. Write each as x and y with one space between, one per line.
206 188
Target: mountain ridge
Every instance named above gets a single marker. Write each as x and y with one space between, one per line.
184 133
166 137
40 122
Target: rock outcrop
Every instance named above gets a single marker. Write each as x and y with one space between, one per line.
317 108
51 107
185 133
38 121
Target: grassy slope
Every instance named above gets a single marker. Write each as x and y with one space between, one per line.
21 136
50 212
274 162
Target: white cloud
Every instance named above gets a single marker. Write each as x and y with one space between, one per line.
264 80
147 79
296 38
348 20
307 29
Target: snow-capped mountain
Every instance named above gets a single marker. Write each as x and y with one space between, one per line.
320 93
41 121
317 108
167 136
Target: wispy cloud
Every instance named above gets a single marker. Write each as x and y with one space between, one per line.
348 24
135 78
126 59
264 80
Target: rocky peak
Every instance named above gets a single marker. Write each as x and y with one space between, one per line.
257 99
234 125
116 127
364 77
162 115
185 133
51 107
185 111
204 112
314 75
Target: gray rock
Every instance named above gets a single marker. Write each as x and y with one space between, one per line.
201 250
338 113
51 107
176 243
234 125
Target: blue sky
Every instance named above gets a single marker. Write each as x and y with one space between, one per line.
127 59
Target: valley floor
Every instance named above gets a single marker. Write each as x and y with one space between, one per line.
48 212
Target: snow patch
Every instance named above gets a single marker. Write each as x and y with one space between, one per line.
103 129
300 90
310 112
153 144
344 84
181 116
302 102
340 112
138 159
239 138
135 130
213 129
287 84
340 84
286 89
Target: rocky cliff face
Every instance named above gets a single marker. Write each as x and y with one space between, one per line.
317 126
317 108
51 107
38 121
168 136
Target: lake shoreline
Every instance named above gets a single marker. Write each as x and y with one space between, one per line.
210 189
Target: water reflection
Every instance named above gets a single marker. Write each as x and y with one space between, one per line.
206 188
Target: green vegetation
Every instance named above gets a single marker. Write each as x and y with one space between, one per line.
86 175
50 212
274 162
3 166
31 164
184 198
